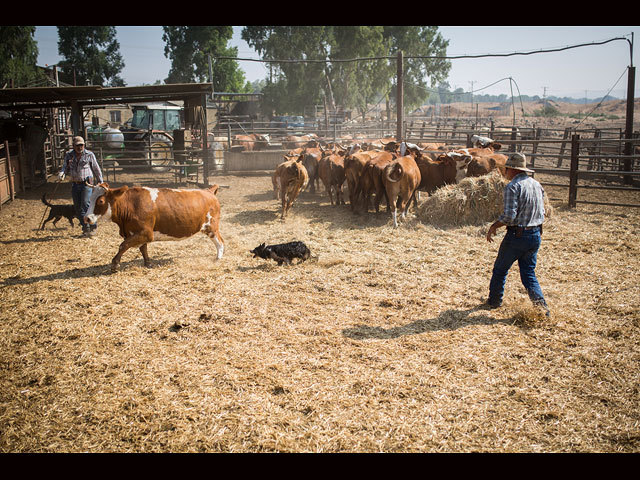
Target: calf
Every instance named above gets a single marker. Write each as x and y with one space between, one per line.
401 179
146 215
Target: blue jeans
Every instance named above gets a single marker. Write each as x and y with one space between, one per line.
525 251
81 195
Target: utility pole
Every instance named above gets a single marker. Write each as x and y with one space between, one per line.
400 99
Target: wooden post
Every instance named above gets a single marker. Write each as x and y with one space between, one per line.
399 99
573 171
12 190
564 137
205 143
628 133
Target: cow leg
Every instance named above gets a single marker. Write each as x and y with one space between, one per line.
132 241
145 255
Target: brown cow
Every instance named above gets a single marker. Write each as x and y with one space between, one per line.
435 173
310 157
297 141
481 165
293 178
251 142
371 181
154 214
353 165
331 172
401 179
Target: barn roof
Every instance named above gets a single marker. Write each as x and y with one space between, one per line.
51 97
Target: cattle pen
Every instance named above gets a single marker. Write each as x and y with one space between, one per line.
377 343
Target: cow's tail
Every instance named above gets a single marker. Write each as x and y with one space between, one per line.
393 172
44 200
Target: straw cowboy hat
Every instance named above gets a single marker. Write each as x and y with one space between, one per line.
78 141
518 161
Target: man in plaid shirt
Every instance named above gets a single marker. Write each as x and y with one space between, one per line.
523 216
81 165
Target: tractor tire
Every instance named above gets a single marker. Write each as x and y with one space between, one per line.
160 155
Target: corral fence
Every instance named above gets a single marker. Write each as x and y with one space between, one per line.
572 160
575 160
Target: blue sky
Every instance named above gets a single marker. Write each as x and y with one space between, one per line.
582 72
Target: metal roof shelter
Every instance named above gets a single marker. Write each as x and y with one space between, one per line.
77 98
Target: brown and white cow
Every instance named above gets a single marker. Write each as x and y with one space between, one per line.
401 180
292 179
147 215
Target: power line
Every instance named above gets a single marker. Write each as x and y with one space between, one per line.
423 57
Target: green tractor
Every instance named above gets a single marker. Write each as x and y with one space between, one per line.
150 135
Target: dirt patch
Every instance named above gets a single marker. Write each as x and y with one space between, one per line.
376 343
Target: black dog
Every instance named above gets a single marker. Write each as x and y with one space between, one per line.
58 211
283 252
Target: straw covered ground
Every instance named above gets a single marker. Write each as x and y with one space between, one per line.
378 343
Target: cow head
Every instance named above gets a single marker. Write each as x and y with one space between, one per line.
101 202
461 161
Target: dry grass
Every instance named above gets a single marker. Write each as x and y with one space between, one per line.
376 344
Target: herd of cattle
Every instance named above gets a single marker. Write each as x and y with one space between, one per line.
372 171
382 168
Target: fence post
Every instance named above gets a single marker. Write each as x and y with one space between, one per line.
573 171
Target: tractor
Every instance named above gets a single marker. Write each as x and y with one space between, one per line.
150 135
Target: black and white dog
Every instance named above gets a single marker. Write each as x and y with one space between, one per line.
283 252
58 211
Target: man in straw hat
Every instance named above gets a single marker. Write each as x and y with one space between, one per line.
523 216
81 165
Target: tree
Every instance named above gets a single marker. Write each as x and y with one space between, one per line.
189 49
292 85
415 41
18 56
90 55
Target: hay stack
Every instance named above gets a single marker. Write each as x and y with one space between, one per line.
473 201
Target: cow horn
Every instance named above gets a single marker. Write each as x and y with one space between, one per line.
86 182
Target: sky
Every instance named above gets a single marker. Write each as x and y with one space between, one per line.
585 72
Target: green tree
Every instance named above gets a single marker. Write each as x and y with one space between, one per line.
189 49
419 41
18 56
292 85
92 53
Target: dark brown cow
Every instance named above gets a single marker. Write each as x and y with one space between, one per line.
401 179
331 172
251 142
371 181
154 214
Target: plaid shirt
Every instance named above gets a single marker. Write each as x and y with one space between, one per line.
79 169
523 202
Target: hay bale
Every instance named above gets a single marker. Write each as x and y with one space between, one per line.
473 201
